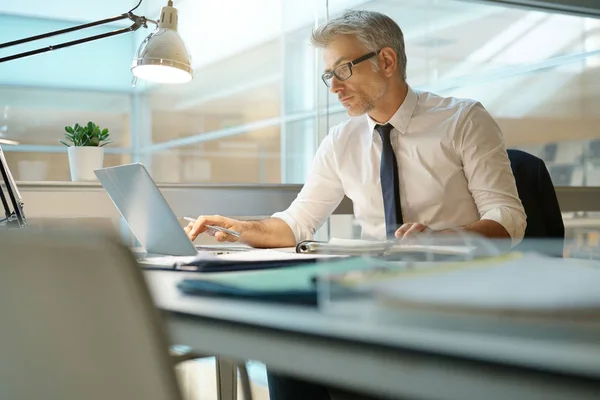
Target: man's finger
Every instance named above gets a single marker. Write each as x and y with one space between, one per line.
402 230
202 221
221 236
198 226
189 231
415 228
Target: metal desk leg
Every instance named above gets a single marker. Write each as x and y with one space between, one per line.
226 379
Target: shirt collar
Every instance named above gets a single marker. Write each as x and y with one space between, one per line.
402 116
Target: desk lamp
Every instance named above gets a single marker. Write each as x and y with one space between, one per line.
162 57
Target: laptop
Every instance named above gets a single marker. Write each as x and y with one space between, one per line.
147 213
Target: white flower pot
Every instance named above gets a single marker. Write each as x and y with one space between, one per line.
83 160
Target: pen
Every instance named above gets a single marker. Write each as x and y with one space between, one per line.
216 228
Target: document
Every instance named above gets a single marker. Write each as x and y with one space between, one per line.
173 261
234 260
270 255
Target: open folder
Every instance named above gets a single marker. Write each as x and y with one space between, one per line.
381 248
255 259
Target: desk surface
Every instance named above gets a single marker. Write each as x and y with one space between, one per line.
385 358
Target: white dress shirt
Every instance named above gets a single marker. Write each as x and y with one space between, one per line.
452 163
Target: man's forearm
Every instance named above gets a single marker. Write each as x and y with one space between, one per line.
270 232
488 228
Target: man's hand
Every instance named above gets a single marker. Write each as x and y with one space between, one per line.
265 233
410 229
193 229
487 228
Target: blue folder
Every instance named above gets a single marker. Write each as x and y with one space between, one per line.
294 284
202 287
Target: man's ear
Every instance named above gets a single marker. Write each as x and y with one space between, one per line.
388 61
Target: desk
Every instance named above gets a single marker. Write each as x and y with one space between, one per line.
393 360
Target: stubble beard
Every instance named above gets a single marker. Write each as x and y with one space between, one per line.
365 104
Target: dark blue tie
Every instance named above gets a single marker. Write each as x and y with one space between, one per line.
390 186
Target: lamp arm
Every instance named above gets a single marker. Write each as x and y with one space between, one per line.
16 217
7 212
138 22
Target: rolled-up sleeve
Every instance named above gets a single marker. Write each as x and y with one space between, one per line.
319 197
487 169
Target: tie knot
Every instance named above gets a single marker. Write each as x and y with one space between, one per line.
384 130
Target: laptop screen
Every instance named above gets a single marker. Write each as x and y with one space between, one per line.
10 197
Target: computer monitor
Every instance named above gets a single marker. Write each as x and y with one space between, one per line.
14 216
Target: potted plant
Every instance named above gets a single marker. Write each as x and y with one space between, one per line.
86 152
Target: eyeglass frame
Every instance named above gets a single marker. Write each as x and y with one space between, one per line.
331 74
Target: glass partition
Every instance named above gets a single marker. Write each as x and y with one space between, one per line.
36 118
537 73
257 110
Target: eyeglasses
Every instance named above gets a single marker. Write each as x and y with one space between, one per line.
344 71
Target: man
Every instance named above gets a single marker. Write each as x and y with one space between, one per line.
452 167
410 161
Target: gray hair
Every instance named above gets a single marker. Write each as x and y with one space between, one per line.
374 30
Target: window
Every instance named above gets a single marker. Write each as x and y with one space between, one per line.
257 109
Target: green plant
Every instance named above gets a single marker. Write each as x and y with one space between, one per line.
86 135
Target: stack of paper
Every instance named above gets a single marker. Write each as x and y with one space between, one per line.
248 256
269 255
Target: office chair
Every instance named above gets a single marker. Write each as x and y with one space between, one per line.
545 230
562 175
549 152
593 153
78 321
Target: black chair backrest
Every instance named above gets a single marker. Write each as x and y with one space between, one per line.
536 191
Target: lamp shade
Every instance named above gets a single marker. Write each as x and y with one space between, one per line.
163 57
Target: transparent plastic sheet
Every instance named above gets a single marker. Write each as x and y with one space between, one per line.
350 293
347 290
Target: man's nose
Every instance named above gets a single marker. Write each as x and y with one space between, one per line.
336 85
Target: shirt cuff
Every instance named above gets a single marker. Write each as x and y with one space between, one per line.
300 233
512 220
